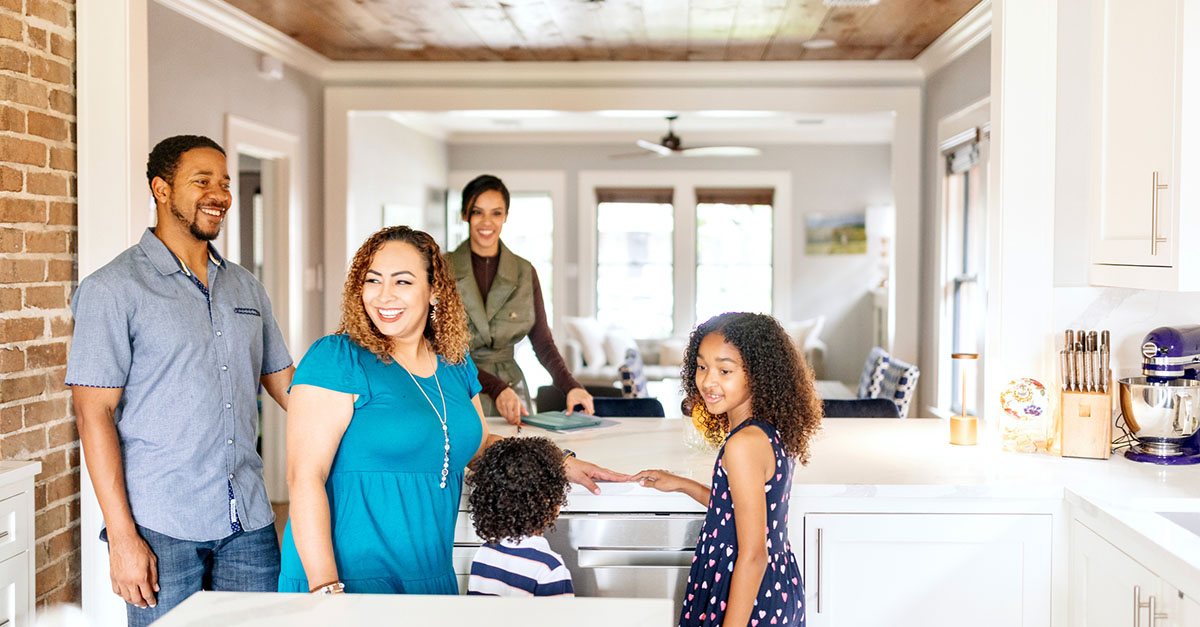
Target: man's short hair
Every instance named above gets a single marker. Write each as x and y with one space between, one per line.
164 159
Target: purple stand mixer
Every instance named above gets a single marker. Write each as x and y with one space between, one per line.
1162 409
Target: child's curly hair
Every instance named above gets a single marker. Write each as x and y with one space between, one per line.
781 383
445 324
517 488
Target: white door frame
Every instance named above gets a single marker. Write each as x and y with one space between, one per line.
245 137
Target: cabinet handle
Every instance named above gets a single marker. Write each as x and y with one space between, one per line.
819 577
1150 604
1155 187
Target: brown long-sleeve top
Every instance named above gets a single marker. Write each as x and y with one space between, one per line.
540 336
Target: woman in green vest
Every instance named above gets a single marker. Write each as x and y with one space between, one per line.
503 299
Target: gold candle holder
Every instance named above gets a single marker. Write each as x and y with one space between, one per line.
964 429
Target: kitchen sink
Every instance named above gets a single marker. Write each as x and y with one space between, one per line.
1187 520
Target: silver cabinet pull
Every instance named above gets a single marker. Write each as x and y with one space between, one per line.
1137 606
1156 187
819 577
635 558
1150 604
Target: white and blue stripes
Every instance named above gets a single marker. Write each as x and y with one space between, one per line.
526 568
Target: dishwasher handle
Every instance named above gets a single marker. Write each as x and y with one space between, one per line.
635 558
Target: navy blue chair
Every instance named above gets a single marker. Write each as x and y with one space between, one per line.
628 408
861 408
550 398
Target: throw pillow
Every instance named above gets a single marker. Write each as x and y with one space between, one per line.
805 330
633 376
590 335
616 342
871 379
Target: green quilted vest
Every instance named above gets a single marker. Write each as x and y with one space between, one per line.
499 323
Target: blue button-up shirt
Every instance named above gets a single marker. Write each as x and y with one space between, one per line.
190 365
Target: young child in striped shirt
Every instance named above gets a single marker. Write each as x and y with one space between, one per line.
517 488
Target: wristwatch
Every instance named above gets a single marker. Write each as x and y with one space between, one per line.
568 453
336 587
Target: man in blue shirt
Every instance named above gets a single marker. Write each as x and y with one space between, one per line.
171 343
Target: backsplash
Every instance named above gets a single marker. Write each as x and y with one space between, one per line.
1129 314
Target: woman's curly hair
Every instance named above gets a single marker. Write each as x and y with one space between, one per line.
446 322
781 383
517 488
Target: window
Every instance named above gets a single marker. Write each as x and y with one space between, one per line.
963 293
733 251
635 261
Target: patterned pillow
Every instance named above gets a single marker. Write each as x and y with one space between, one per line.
899 384
633 375
871 379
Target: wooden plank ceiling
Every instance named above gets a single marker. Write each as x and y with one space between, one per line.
607 30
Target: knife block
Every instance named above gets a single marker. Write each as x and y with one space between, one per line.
1087 423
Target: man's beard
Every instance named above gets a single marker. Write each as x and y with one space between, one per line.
192 227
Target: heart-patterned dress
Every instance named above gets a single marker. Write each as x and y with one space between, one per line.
780 598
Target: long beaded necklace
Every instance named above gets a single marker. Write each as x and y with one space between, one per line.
441 417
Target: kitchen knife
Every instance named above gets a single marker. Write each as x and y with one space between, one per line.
1064 357
1088 381
1077 367
1093 340
1105 354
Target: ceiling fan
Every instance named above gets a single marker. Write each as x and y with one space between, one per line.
672 146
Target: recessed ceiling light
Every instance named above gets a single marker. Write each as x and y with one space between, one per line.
818 44
511 114
734 113
634 113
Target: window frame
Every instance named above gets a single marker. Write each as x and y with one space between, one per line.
684 184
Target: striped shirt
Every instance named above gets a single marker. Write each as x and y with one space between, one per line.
519 569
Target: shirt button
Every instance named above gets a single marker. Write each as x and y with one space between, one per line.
224 368
229 442
228 405
231 475
218 334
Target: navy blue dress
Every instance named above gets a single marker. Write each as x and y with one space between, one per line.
780 598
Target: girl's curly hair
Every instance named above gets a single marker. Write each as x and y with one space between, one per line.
781 383
517 488
445 324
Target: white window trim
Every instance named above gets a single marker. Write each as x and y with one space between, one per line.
684 184
553 182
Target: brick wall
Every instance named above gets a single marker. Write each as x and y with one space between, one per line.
38 273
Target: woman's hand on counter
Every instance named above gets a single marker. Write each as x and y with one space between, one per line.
586 474
580 396
664 481
509 404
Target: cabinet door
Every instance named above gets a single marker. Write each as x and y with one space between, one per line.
1140 65
1104 581
932 570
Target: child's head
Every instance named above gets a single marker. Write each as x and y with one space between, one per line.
517 488
750 363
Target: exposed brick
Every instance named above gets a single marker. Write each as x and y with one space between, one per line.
46 184
23 444
73 509
69 593
22 209
41 412
12 119
55 384
18 388
46 242
61 270
47 356
61 327
11 5
37 37
23 91
47 126
54 463
62 159
62 47
14 59
10 300
12 179
62 487
51 11
62 102
57 545
11 360
62 433
10 28
17 150
52 576
10 419
50 520
50 70
11 241
39 499
73 457
62 214
22 271
20 330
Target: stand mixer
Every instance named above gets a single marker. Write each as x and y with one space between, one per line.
1162 409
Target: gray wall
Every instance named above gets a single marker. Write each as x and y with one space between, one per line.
825 179
964 81
197 75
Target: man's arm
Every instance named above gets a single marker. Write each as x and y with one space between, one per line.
276 384
133 567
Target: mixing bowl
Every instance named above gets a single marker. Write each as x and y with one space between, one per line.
1163 412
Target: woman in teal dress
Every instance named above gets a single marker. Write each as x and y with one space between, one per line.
384 417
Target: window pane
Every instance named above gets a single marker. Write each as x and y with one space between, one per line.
635 268
733 259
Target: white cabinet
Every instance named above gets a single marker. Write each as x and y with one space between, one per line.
16 543
927 569
1145 215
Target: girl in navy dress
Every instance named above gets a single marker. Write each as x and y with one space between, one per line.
761 403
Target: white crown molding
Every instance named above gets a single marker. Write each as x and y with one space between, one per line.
245 29
965 34
851 135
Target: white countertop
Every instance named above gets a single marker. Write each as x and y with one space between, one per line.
271 609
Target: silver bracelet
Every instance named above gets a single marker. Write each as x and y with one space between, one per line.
336 587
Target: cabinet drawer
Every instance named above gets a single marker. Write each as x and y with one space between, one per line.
14 591
14 525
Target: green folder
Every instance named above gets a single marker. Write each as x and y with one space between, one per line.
559 421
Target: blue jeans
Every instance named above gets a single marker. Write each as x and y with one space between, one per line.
246 561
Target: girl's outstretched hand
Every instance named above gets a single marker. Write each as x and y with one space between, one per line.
660 480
